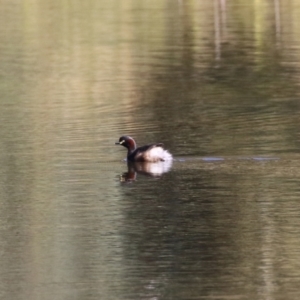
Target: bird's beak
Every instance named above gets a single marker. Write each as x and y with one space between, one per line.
120 143
117 143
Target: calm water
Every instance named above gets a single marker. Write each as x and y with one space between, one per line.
216 81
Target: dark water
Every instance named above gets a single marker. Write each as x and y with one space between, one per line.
217 82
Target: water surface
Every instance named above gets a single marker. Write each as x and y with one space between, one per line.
217 82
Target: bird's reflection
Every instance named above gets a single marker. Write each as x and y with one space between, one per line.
145 168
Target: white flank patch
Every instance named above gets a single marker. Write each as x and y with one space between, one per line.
157 154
